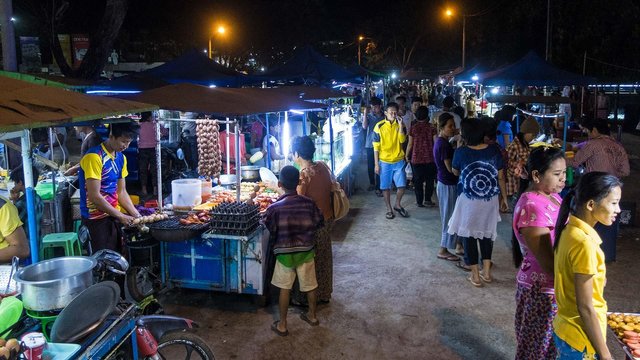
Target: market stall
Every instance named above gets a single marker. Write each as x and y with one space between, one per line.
24 106
216 244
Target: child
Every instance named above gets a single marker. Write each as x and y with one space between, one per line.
292 222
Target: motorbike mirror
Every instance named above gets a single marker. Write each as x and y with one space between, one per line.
180 154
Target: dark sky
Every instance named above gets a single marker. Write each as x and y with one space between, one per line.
502 31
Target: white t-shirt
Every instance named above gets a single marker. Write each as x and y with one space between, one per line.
273 141
407 119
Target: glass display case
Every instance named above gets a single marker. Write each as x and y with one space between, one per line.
336 151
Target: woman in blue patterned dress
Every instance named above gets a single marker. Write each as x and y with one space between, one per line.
481 185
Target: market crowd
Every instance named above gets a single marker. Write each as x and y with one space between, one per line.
483 168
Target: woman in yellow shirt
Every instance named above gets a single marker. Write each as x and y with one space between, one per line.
579 269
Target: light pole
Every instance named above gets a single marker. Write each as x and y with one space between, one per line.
449 13
220 30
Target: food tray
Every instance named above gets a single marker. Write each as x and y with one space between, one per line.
625 348
170 230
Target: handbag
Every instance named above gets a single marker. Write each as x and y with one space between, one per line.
339 201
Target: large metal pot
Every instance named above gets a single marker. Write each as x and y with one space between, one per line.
250 173
52 284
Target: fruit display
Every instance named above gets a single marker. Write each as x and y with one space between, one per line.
9 349
150 218
627 328
209 154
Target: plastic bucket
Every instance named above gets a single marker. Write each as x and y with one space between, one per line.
186 193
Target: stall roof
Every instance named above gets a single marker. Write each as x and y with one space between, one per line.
192 67
308 64
516 99
50 80
532 70
221 101
28 105
311 92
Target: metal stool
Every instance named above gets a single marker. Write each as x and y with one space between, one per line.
68 241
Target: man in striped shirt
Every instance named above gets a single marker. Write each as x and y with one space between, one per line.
601 152
292 222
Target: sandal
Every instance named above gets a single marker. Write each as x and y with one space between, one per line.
448 257
462 267
476 284
306 319
274 328
402 212
486 279
390 215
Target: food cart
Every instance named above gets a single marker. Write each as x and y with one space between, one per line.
218 245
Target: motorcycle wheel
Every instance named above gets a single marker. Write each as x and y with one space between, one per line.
141 282
184 345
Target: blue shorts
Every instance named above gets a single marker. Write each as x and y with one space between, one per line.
566 352
392 172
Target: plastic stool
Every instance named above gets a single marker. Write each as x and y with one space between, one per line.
76 225
68 241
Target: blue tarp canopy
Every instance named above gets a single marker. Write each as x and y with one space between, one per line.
307 64
532 70
467 75
193 67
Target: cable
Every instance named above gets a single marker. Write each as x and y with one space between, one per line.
612 65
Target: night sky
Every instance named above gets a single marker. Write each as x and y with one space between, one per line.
502 31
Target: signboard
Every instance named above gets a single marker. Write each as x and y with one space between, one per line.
80 45
65 45
30 51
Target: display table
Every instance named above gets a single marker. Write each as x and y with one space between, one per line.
226 263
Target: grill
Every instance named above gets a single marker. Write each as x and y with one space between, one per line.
170 230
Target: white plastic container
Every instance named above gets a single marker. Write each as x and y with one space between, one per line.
186 193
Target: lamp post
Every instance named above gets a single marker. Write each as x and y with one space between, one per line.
220 30
449 13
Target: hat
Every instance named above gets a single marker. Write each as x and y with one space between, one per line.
530 126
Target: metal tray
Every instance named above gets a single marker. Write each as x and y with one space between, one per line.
625 348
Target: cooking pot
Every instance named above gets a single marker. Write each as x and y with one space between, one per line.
250 173
52 284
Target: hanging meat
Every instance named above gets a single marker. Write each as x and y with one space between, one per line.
209 155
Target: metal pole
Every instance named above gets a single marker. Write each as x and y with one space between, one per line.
359 56
236 132
227 150
9 61
268 162
210 56
464 35
29 193
584 72
564 131
333 163
54 177
304 123
546 52
158 163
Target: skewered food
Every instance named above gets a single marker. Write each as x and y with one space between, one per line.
209 155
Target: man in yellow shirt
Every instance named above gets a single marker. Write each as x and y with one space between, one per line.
388 136
13 240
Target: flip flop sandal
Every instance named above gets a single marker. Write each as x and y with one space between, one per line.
462 267
274 328
485 279
461 253
449 257
476 284
402 212
390 215
306 319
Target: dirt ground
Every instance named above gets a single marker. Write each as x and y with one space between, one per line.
393 299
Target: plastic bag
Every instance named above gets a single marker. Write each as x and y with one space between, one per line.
408 171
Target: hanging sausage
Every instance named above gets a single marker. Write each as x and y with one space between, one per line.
209 155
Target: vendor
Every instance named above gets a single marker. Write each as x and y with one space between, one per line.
13 239
270 143
102 188
232 151
20 200
89 139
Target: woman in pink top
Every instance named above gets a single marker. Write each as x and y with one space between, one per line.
534 219
147 153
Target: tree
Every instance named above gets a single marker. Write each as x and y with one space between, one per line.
101 38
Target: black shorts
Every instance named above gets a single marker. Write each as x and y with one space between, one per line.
106 233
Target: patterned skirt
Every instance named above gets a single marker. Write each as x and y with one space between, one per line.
534 324
324 267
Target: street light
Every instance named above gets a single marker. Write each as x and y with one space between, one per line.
450 13
360 39
220 30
